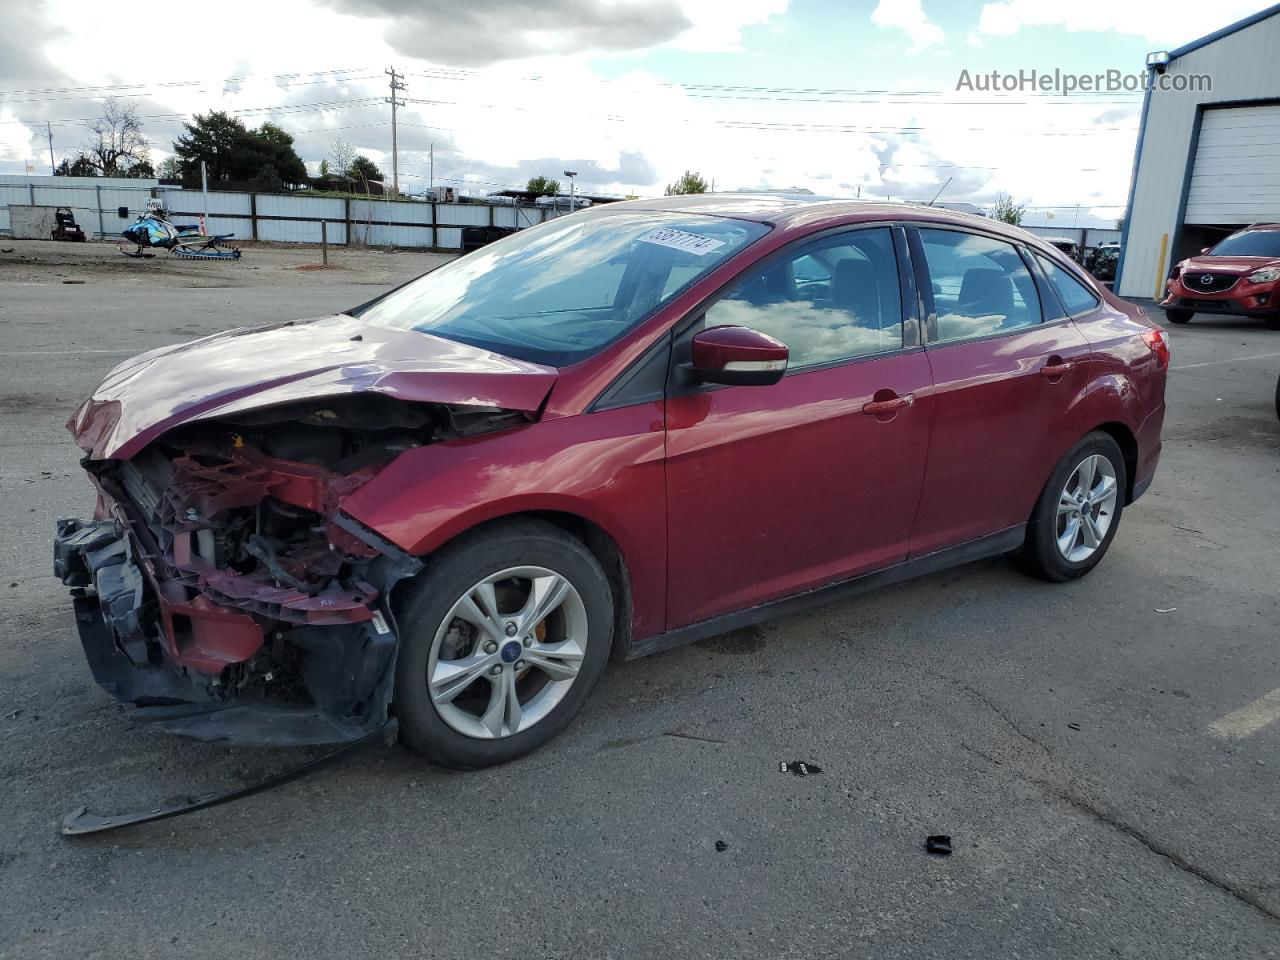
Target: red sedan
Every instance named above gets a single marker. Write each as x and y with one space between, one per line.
614 433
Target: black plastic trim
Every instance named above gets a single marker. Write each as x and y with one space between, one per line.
989 546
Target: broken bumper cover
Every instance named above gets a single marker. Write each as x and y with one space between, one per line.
292 672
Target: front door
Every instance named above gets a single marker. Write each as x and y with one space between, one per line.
1007 387
773 490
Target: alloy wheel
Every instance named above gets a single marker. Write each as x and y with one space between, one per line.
1086 508
507 652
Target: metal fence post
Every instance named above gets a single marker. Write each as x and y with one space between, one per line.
31 194
97 192
435 227
346 213
253 214
324 242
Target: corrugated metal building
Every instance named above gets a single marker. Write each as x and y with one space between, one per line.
1207 161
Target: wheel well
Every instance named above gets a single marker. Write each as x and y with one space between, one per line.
606 551
1128 445
603 548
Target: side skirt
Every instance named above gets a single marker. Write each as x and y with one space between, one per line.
990 546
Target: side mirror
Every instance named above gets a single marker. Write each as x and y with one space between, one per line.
738 355
123 212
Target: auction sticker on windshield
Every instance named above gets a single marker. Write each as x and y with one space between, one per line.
679 240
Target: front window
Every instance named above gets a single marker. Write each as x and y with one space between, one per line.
1251 243
560 292
838 300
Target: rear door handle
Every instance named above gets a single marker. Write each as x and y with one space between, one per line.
878 408
1057 369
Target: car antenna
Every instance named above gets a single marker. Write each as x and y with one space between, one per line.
939 193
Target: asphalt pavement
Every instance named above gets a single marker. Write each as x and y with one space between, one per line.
1090 747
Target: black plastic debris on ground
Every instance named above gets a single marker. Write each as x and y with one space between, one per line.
800 768
939 844
721 846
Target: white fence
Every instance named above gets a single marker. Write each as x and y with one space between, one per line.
268 216
1085 236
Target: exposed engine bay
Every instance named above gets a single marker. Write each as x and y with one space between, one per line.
219 588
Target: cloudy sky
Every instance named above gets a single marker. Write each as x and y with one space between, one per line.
844 97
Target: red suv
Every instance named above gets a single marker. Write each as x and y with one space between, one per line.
607 435
1240 276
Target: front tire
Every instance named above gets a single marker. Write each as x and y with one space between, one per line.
1078 512
502 638
1179 316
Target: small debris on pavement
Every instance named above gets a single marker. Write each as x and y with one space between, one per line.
1165 609
721 846
14 715
73 281
799 767
1073 726
938 844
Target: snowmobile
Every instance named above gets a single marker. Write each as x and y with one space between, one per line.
152 230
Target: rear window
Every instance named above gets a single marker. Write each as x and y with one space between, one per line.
561 291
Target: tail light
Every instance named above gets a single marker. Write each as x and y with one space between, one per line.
1158 342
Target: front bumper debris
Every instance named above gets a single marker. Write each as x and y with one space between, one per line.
284 671
81 822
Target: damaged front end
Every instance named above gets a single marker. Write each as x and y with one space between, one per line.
219 589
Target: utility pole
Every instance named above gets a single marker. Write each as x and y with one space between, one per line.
397 85
431 166
53 170
571 174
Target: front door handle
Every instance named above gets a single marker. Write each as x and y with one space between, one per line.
878 408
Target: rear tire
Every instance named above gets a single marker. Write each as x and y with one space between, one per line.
460 664
1068 536
1179 316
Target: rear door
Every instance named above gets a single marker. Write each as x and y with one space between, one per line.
773 490
1008 385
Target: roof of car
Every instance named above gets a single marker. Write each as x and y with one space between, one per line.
799 212
788 210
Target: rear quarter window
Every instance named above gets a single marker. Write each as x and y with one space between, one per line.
1075 296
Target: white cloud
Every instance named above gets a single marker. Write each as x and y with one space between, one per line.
1160 21
908 16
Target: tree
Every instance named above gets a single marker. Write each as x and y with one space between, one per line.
689 182
341 154
81 166
324 168
169 169
363 169
142 170
1120 223
232 151
116 141
543 186
1006 211
267 180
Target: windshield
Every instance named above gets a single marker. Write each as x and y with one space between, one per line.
1254 243
559 292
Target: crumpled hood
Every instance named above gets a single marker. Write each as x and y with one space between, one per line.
258 367
1232 265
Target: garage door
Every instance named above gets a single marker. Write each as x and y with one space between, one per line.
1236 177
